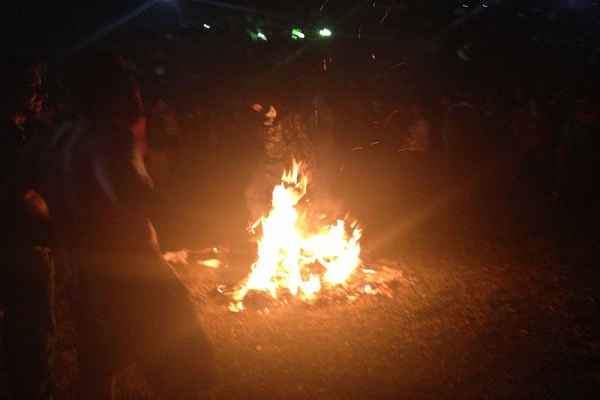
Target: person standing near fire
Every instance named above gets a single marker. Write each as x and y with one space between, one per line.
132 307
283 138
27 270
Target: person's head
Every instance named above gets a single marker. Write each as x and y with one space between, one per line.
105 89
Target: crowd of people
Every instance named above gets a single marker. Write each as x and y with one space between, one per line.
94 160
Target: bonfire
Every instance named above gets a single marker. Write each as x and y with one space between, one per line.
297 256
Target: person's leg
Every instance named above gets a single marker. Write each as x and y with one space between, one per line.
174 354
133 308
96 349
30 325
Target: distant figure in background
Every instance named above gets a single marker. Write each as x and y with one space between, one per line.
528 131
163 139
27 272
323 133
283 139
579 160
131 306
462 134
532 155
419 139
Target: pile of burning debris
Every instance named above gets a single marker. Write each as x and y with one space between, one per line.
301 259
372 280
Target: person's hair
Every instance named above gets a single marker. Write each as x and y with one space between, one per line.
104 88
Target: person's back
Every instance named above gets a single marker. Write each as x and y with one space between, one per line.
101 200
26 281
98 186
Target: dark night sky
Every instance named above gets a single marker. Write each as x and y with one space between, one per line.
43 24
36 24
55 24
51 25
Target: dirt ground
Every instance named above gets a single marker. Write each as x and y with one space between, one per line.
452 330
469 319
475 316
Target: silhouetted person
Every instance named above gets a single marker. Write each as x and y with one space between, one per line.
131 306
27 272
282 139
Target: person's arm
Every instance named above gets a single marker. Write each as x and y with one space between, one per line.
134 192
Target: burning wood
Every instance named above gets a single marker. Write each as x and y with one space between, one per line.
298 257
209 258
379 281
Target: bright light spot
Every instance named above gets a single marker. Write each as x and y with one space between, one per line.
297 34
206 26
210 263
261 36
370 290
369 271
290 245
325 32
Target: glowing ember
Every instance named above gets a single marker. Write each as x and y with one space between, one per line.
294 256
210 263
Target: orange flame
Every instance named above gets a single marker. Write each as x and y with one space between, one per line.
288 247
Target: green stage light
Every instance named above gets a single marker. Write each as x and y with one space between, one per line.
325 32
261 36
297 34
258 35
